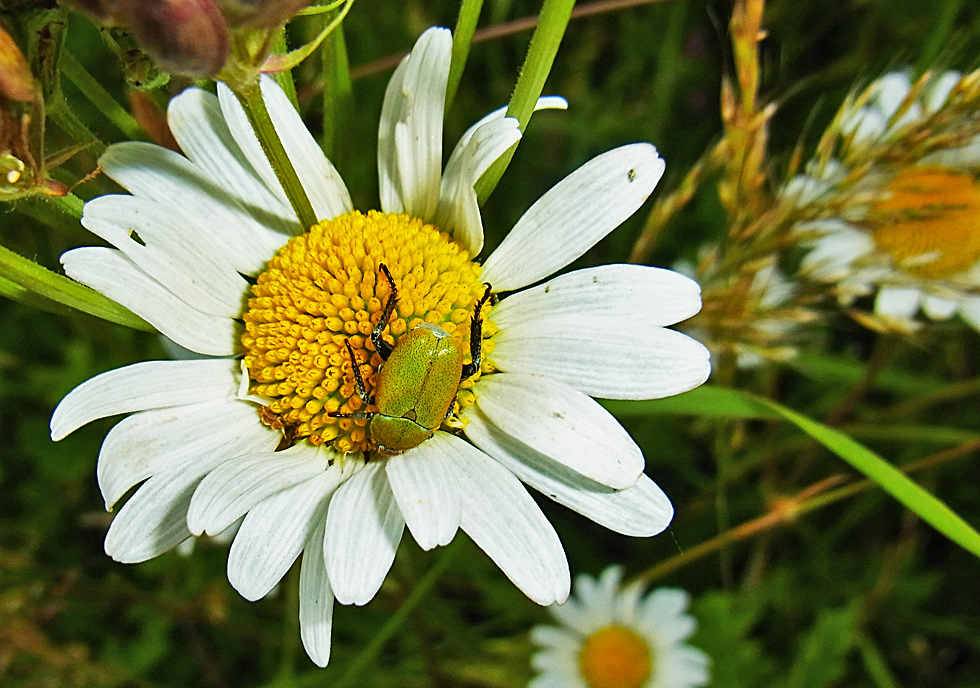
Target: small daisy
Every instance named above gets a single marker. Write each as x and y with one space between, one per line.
619 638
906 232
281 425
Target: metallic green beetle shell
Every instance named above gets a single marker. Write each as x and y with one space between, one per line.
416 388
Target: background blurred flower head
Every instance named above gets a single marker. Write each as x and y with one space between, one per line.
618 637
896 214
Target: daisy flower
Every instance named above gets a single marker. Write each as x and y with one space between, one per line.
906 230
618 638
272 429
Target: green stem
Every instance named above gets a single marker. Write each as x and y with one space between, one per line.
397 619
99 97
250 96
285 77
469 14
338 98
540 56
52 292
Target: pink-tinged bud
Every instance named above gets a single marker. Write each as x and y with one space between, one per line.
16 81
183 36
260 13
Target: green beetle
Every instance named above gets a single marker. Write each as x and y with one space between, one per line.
418 379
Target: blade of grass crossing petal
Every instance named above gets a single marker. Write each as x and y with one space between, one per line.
540 56
893 481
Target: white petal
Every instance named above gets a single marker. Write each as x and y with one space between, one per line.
410 132
939 308
196 120
149 442
634 363
595 330
970 311
274 532
237 485
141 386
191 196
575 214
425 487
364 527
109 272
832 255
562 423
602 295
154 519
897 302
502 519
322 183
185 261
891 90
940 89
641 510
315 600
458 212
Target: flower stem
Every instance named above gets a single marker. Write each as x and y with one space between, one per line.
250 96
100 97
26 281
469 14
338 99
540 56
398 618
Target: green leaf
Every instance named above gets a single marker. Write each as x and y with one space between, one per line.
705 401
719 402
893 481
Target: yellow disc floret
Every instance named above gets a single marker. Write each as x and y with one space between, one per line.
323 289
615 657
930 222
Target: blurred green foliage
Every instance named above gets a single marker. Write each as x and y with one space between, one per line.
859 593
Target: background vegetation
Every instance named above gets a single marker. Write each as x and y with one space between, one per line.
847 589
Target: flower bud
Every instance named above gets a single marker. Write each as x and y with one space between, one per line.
16 81
260 13
183 36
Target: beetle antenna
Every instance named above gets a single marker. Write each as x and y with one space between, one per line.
476 337
383 348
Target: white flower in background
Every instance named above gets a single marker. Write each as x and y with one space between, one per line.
910 235
204 437
619 638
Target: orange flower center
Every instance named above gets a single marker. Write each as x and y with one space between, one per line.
615 657
930 222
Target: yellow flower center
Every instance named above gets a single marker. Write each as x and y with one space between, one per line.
930 223
325 288
615 657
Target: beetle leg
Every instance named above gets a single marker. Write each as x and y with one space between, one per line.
383 348
476 337
361 389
